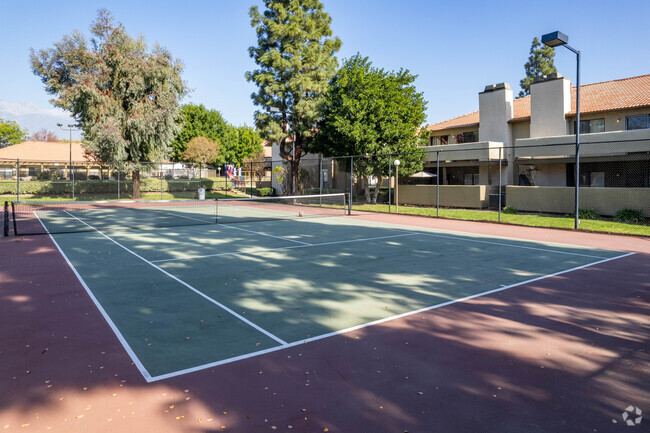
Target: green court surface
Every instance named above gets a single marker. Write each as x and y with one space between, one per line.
185 298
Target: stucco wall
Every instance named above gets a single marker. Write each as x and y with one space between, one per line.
605 201
463 196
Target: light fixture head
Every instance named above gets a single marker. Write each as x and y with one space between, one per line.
396 162
60 125
555 39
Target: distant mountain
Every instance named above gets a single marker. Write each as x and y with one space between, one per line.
35 118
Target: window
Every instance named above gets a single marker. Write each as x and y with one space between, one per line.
637 122
597 178
471 179
438 141
590 126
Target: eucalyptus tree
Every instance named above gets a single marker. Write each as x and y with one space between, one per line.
124 96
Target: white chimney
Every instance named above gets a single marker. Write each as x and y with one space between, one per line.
550 100
495 110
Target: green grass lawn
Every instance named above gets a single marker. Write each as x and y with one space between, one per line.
532 220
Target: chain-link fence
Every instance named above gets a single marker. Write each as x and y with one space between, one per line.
531 183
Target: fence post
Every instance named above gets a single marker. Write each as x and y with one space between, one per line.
6 220
390 180
251 175
73 175
161 181
118 183
500 150
320 178
351 184
437 183
225 173
18 179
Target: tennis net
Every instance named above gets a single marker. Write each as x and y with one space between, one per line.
41 217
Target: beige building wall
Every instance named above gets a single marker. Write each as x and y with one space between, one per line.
520 130
605 201
614 120
546 174
462 196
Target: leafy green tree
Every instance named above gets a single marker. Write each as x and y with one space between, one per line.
236 143
244 144
197 121
369 111
124 96
295 56
540 62
201 149
11 133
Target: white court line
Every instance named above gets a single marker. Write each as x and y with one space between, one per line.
265 234
460 233
509 245
198 292
376 322
262 250
112 325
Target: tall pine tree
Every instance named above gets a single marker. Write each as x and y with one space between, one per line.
295 55
540 62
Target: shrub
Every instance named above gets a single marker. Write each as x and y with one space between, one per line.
629 216
266 192
510 210
48 175
586 214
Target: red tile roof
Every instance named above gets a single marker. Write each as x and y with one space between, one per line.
612 95
45 151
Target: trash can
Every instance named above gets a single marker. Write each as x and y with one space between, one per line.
201 193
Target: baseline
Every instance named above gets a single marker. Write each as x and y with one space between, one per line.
377 322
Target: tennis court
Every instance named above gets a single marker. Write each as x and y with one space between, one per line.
198 285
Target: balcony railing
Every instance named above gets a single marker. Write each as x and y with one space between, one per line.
599 144
479 151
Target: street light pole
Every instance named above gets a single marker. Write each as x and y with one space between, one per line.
553 40
70 128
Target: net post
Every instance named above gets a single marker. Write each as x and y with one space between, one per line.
13 217
18 179
6 220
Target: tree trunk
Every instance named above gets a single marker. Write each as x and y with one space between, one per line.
136 185
377 188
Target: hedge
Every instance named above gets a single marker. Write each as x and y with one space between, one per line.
110 186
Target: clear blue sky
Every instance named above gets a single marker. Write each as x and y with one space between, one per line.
456 47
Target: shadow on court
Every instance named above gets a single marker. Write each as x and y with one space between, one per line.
568 353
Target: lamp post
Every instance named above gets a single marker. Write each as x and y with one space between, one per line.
396 162
293 148
70 128
556 39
